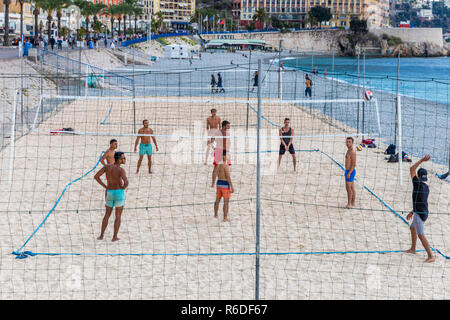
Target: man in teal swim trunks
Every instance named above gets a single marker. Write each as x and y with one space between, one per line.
145 148
350 172
117 182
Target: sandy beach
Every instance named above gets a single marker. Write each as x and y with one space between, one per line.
181 251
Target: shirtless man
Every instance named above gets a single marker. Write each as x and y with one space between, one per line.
220 150
108 156
350 172
117 182
224 188
212 126
145 148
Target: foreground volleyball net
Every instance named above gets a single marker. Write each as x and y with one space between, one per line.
290 235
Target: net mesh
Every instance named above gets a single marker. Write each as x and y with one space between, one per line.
171 247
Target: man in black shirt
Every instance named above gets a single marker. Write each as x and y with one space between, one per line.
420 208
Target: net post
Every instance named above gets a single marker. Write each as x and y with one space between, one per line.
296 74
399 123
41 80
21 86
79 67
400 151
86 81
248 89
358 93
134 95
12 139
57 73
258 185
279 70
364 91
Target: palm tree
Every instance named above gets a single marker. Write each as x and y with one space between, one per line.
98 9
120 11
87 10
21 2
36 12
137 11
112 11
261 17
159 20
49 6
127 10
60 5
6 3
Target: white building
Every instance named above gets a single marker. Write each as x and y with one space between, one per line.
377 13
426 13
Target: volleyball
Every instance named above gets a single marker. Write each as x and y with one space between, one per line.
367 95
359 147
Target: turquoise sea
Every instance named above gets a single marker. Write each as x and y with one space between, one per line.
422 78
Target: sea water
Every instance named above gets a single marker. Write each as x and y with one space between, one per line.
422 78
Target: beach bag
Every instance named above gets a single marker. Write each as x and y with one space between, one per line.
372 145
393 158
368 141
390 149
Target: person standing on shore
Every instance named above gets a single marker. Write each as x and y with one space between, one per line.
220 83
213 84
419 214
255 80
52 43
308 84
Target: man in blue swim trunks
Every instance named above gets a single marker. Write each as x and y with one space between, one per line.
145 148
117 182
350 172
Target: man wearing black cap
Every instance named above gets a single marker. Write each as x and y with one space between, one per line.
420 208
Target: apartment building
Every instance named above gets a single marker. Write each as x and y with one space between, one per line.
175 12
14 17
296 11
376 12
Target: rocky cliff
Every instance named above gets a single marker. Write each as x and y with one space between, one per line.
344 42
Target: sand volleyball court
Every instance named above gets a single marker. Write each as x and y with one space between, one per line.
171 247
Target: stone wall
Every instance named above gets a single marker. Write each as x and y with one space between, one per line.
303 41
414 35
417 41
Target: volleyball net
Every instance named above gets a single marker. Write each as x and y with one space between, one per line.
308 245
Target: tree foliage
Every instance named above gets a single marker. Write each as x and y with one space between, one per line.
358 26
320 14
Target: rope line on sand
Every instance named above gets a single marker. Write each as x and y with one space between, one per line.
262 117
109 113
17 252
26 254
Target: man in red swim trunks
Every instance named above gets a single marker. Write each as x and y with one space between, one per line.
224 188
223 145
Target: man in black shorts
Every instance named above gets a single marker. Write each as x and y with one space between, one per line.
420 208
286 143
